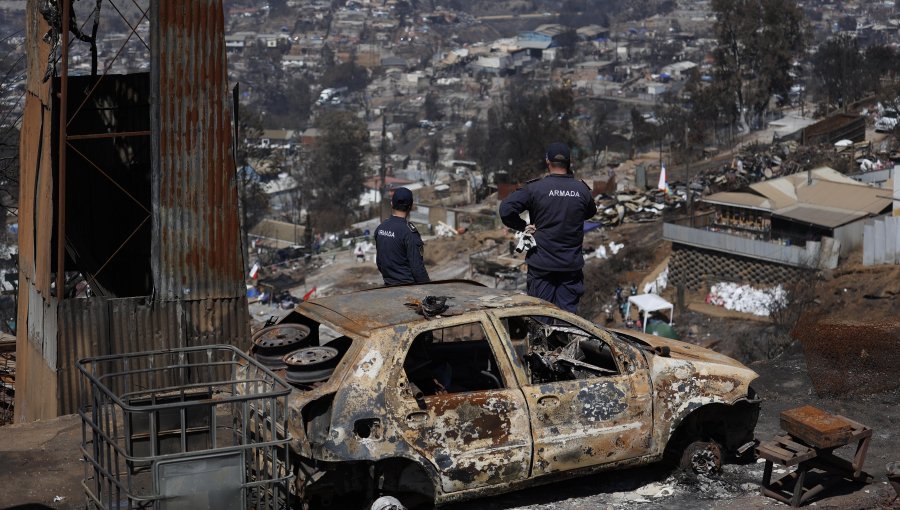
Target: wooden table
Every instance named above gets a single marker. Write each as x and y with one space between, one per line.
812 454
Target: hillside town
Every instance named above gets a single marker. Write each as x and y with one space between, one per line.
741 158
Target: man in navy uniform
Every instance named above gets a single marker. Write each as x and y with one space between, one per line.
400 247
557 205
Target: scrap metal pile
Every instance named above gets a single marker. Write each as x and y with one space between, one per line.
7 386
753 164
637 206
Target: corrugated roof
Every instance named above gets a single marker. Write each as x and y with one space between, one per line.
828 217
780 192
850 197
279 230
822 196
748 200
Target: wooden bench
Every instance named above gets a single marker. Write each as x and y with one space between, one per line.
808 453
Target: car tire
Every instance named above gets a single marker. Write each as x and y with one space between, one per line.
702 458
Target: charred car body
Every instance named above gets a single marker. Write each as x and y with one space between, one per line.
450 391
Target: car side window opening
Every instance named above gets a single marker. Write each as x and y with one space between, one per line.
453 359
553 350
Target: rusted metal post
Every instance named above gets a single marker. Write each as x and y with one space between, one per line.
63 121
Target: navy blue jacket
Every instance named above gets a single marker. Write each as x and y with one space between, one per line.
557 205
400 249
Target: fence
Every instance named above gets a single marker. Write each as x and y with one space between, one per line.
881 241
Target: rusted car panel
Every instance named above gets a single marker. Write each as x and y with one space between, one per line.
499 391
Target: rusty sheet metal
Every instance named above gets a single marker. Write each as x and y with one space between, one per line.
98 327
364 311
36 191
197 253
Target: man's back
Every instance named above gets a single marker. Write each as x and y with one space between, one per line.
558 205
400 251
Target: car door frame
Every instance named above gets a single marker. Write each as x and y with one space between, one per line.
500 455
621 438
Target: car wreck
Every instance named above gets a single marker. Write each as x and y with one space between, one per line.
449 391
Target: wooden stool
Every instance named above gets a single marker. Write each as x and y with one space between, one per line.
815 450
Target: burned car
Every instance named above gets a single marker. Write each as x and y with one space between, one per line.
451 390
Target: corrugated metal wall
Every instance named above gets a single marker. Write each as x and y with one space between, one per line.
790 255
97 327
881 241
196 251
196 256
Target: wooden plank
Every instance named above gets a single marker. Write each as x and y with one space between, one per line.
775 451
816 427
786 441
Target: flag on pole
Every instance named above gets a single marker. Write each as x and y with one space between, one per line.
254 271
663 184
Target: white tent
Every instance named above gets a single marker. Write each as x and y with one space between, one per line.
647 304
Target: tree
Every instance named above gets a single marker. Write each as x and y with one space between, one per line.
880 62
521 125
568 43
349 74
431 107
12 70
838 71
432 155
599 131
335 175
756 44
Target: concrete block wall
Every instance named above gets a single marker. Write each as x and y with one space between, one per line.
697 269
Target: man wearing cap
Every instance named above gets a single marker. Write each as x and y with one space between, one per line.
557 206
400 247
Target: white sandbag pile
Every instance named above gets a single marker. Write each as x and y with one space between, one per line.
746 299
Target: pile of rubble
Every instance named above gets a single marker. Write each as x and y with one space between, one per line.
637 206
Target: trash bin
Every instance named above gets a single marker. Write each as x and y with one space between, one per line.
184 429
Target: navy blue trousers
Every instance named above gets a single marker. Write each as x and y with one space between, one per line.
562 288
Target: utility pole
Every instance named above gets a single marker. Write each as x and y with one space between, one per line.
383 213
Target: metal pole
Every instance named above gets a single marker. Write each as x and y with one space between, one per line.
63 121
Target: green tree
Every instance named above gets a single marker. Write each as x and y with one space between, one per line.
757 41
335 174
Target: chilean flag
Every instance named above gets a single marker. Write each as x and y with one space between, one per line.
663 184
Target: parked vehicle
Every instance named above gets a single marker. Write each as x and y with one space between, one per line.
888 121
450 390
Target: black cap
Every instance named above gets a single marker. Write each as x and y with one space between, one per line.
402 199
558 152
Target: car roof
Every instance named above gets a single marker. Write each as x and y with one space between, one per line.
367 310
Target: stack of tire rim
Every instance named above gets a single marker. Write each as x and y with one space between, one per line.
287 347
272 344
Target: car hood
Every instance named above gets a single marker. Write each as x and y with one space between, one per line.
681 350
